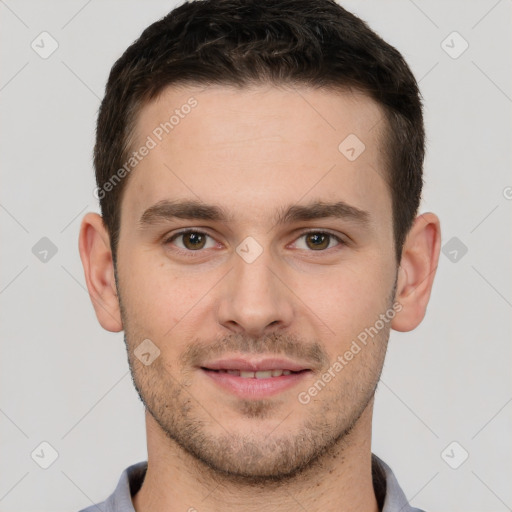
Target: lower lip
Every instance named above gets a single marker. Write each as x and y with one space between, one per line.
255 388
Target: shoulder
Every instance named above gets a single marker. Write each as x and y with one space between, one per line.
121 499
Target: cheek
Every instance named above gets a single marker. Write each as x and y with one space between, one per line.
154 298
351 299
168 305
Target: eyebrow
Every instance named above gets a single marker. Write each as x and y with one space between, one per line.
182 209
321 210
196 210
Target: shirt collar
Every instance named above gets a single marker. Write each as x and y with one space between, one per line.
388 492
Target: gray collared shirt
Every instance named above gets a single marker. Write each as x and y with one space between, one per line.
390 496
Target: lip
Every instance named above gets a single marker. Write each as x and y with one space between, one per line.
254 388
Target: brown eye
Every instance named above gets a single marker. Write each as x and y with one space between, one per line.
192 240
318 241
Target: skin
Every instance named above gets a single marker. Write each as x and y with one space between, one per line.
255 152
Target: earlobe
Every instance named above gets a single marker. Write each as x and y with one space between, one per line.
420 256
96 256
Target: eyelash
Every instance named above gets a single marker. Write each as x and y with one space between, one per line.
190 253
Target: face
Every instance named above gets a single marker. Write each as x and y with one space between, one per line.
254 251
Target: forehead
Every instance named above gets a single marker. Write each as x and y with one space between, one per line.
257 149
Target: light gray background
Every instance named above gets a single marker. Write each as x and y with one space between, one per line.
65 381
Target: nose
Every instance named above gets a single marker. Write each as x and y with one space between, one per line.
254 299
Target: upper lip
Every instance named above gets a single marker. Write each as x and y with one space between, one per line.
255 365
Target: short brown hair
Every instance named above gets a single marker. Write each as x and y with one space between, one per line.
245 42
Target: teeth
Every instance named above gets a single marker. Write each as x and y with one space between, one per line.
262 374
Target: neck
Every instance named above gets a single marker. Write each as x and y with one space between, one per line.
340 480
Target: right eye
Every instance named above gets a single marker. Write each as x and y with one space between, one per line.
191 240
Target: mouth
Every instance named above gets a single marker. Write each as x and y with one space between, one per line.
261 374
255 379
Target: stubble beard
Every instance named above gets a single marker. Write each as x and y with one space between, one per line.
254 457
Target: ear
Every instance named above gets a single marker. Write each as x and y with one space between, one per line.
96 256
420 256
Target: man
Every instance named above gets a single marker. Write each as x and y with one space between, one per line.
259 170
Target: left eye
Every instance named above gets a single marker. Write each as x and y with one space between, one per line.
192 240
317 241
